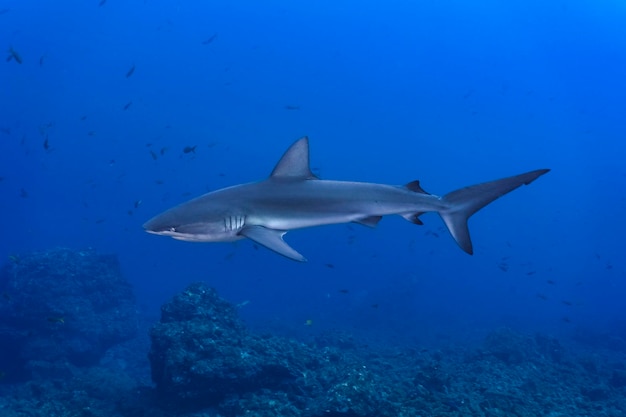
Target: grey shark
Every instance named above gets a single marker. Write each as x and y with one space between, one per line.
293 198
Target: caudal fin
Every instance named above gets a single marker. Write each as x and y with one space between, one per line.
461 204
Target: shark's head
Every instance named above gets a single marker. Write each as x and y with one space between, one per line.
185 222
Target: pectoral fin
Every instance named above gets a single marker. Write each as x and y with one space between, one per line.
271 239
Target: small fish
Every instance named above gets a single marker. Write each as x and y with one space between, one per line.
100 221
468 94
374 305
566 320
102 3
567 303
551 282
91 133
46 144
331 266
6 296
503 266
162 151
23 193
41 60
308 322
60 320
127 105
137 203
344 291
13 54
154 155
291 107
190 149
131 71
159 182
531 273
14 258
242 304
209 39
542 296
83 117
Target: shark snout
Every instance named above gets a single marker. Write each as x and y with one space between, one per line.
147 226
153 226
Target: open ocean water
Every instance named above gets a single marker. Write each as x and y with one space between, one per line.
113 111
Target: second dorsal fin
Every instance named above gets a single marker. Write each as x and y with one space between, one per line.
415 187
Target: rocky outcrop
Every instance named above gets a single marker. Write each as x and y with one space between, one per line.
59 308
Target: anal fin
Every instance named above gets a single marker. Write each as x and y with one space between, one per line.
370 221
413 218
271 239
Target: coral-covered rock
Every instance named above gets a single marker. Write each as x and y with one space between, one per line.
203 356
204 361
201 352
62 306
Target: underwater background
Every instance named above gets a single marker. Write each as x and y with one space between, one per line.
112 112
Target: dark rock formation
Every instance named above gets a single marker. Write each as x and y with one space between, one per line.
61 307
201 352
204 361
203 356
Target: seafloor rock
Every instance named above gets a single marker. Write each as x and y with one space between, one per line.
59 308
201 352
515 348
203 356
205 362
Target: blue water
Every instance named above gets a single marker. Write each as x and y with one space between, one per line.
451 93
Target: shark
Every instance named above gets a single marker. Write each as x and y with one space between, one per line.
292 197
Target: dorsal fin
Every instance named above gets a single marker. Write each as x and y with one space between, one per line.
415 187
294 163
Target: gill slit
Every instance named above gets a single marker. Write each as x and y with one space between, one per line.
232 223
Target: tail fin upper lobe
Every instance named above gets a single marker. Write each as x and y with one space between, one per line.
467 201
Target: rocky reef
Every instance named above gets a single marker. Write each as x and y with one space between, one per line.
61 308
68 330
203 358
